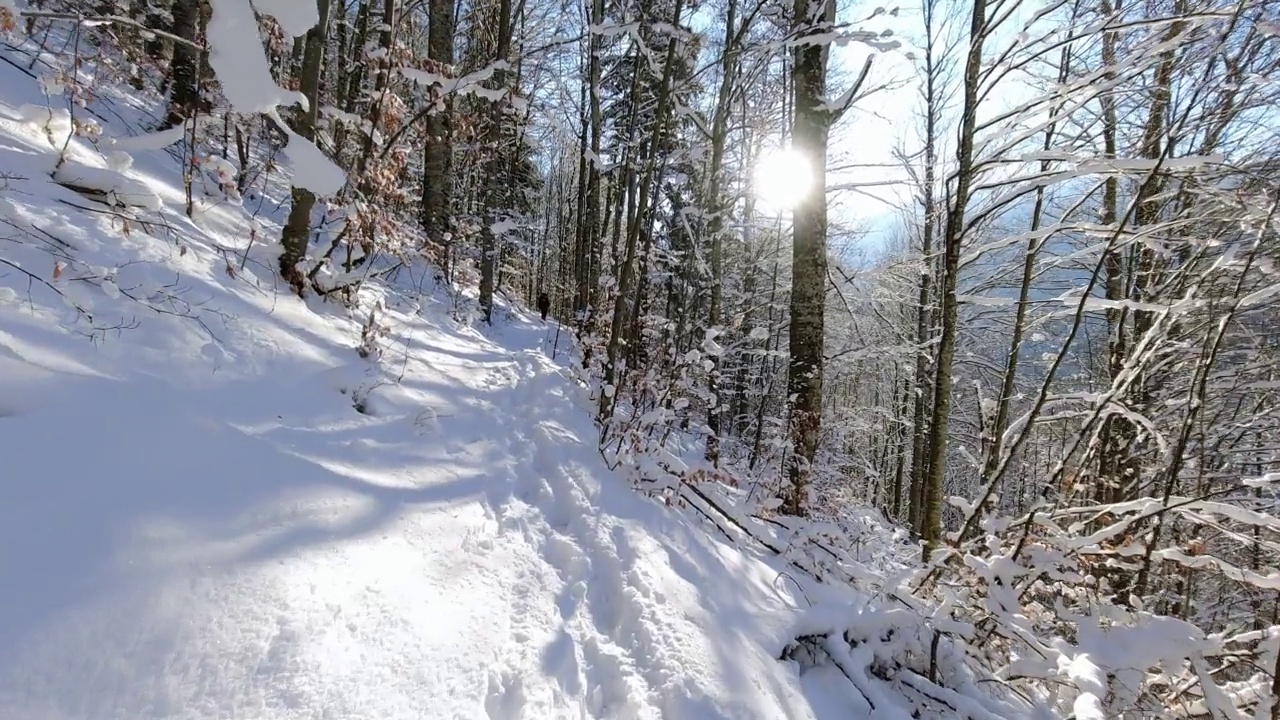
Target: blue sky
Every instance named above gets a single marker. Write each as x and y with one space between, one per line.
867 182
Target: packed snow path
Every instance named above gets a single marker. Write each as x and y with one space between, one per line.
260 549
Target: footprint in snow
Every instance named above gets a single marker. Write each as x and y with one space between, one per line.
505 699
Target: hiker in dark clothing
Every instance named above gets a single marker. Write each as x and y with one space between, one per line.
544 305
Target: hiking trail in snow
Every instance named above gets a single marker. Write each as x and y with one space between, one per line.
261 549
219 511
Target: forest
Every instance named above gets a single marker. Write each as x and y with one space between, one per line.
1049 352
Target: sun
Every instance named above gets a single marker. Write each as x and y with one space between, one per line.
782 178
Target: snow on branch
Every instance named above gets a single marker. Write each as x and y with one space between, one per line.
841 105
296 17
107 185
240 64
894 656
83 19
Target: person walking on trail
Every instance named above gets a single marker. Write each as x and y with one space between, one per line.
544 305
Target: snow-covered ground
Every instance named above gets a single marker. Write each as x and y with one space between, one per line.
257 548
218 510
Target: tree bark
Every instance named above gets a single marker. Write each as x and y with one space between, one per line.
495 179
924 326
952 240
590 219
297 228
810 129
719 136
627 270
437 161
995 441
184 93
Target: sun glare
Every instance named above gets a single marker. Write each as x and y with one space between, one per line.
783 178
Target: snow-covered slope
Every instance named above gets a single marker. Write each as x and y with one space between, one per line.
211 507
260 549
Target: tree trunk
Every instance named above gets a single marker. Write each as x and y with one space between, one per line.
810 129
924 326
590 219
298 227
717 206
495 179
386 38
995 441
646 182
184 93
437 160
954 236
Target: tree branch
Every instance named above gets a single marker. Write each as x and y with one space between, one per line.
109 19
841 105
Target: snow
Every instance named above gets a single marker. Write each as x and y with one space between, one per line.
295 18
119 188
151 141
55 123
240 64
244 550
311 169
503 227
1093 685
239 61
221 168
256 547
214 508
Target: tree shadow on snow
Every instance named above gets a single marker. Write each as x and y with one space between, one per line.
132 486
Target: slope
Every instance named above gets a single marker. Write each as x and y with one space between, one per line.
261 548
213 508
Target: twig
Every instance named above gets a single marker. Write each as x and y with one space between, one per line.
115 19
32 277
7 61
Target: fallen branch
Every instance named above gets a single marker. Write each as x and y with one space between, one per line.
815 643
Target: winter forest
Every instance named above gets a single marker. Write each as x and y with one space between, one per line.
996 282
